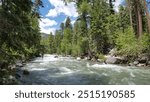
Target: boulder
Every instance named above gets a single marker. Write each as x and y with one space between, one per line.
114 60
19 65
3 64
17 75
136 63
23 63
88 58
141 65
93 59
56 56
11 77
26 72
131 64
78 58
85 58
12 66
113 52
148 63
100 60
143 58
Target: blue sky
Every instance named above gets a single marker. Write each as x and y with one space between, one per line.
55 12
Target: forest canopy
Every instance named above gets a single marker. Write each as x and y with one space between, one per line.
99 28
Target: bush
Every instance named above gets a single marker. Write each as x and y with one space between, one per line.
101 56
128 45
144 42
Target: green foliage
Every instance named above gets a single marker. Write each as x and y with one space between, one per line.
127 44
99 28
144 42
19 31
58 40
101 56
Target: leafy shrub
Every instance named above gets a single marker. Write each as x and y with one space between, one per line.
101 56
128 45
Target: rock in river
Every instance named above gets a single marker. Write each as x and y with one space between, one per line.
26 72
114 60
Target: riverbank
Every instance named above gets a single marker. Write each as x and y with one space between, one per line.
8 71
142 60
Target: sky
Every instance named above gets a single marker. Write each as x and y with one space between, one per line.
55 12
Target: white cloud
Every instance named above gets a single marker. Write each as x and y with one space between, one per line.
52 13
60 7
47 22
48 30
72 22
46 25
117 4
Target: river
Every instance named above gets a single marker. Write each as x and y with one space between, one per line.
69 71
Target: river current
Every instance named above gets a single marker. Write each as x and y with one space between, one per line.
69 71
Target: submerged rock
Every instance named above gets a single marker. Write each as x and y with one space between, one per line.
26 72
17 75
56 56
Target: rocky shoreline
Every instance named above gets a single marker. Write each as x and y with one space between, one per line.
142 60
9 73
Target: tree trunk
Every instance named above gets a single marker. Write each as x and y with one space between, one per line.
147 15
130 12
139 19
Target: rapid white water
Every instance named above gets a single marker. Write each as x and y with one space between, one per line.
68 70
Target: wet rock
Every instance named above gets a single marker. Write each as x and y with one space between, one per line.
113 52
68 55
131 64
88 58
17 75
82 57
56 56
143 58
23 63
26 72
114 60
141 65
19 65
85 58
12 66
11 77
100 60
148 63
3 64
136 63
93 59
78 58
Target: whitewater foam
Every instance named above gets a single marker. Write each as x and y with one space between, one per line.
37 69
65 70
